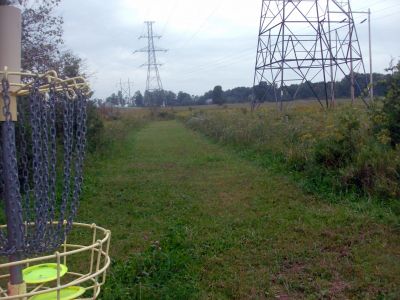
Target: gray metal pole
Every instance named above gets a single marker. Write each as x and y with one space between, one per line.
282 53
332 104
371 78
351 29
129 90
10 58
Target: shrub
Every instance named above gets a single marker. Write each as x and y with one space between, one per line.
109 112
95 128
157 113
334 150
386 116
374 171
338 148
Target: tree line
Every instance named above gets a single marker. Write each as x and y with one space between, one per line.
262 92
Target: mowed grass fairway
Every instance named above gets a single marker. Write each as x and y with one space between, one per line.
192 220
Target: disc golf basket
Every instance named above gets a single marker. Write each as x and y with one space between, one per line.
44 254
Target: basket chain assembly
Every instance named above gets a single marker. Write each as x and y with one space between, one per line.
36 176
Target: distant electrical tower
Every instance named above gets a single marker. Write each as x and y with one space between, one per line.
153 82
301 42
126 91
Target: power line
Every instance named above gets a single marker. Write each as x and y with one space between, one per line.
199 28
171 13
228 60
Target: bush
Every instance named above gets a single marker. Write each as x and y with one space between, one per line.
109 113
338 148
337 151
386 117
95 128
157 113
374 170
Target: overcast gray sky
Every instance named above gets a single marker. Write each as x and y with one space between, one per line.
210 42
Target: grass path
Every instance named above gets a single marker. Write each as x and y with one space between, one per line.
192 220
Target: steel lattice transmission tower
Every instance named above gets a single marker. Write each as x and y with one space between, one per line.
301 42
125 89
153 82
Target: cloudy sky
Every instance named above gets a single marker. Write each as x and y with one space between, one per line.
209 42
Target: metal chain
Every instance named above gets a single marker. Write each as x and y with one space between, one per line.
15 238
23 158
3 237
67 144
80 154
36 180
37 166
44 110
52 158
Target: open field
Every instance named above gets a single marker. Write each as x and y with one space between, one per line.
192 219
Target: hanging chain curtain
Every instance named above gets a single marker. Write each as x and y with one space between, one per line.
43 166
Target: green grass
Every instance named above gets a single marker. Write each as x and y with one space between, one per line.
193 220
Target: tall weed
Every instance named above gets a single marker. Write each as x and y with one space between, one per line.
337 149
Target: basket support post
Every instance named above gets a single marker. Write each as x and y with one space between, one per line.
10 60
10 50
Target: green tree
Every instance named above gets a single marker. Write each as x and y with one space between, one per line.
391 106
113 99
70 65
218 95
139 100
184 99
42 35
155 98
386 117
170 98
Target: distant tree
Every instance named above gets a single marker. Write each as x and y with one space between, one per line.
97 102
184 99
154 98
159 97
70 65
218 95
115 99
264 92
139 101
238 94
170 98
202 99
121 99
42 35
196 99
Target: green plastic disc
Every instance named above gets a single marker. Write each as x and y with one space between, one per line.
43 273
68 293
